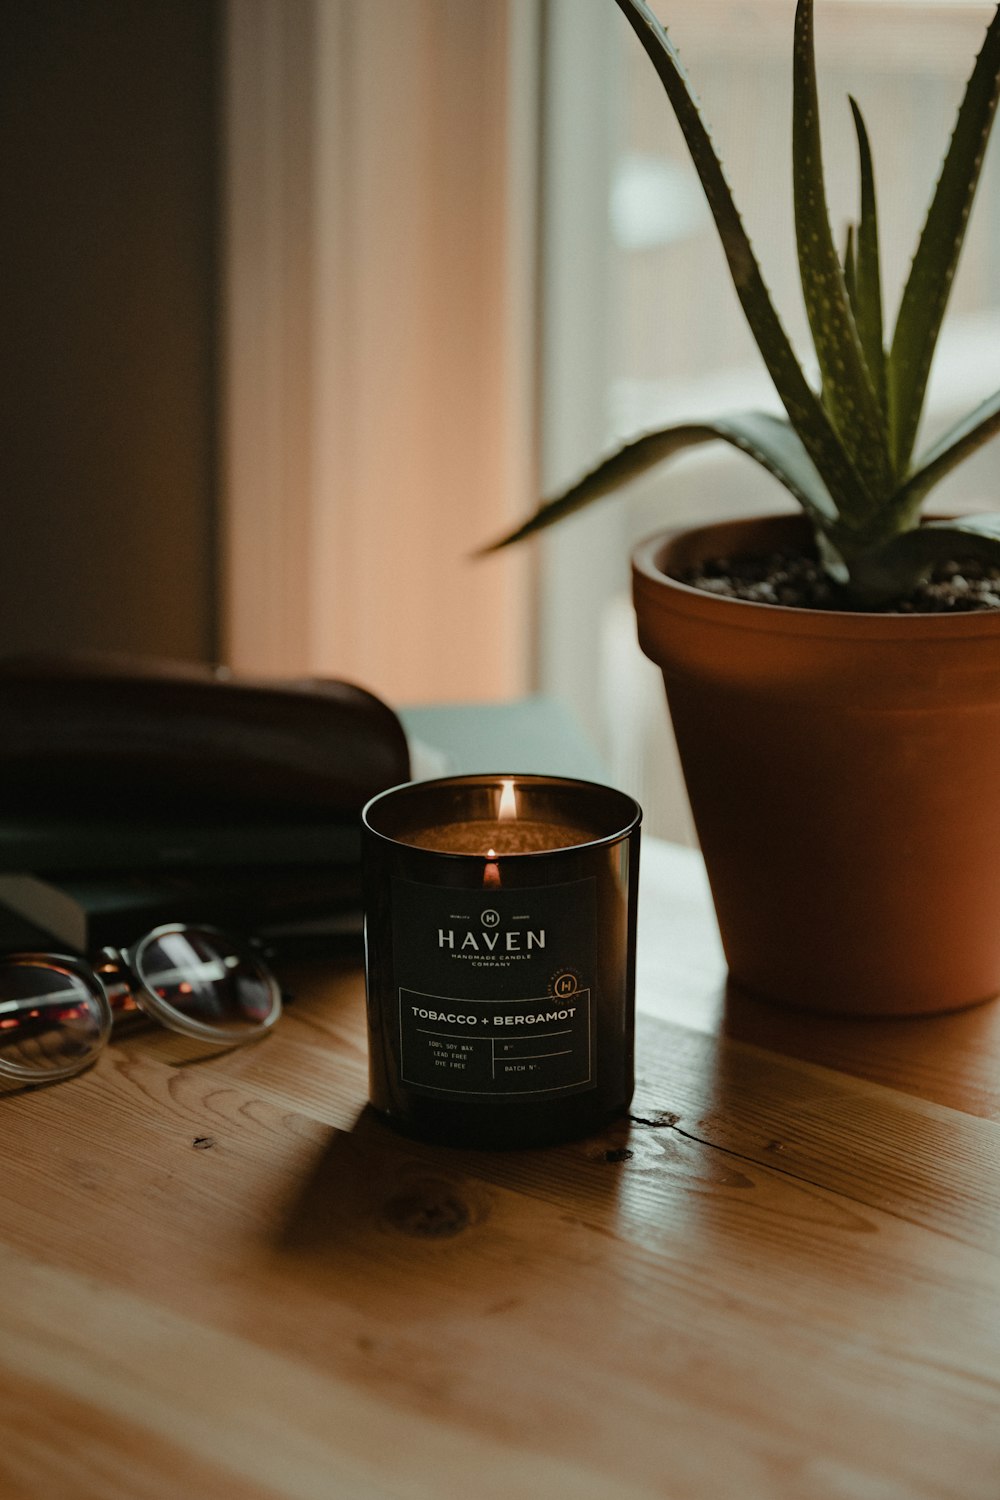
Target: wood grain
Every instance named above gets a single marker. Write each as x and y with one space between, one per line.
778 1281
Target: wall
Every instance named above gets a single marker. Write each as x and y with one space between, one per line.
107 443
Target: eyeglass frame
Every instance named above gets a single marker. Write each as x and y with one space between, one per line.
114 982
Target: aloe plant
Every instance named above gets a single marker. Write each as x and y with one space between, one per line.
846 451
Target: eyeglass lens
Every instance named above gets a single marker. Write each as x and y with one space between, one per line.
51 1020
206 978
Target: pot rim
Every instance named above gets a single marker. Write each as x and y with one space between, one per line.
651 582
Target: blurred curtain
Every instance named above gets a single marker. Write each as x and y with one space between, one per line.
379 340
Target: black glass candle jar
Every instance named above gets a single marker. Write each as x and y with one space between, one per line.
500 957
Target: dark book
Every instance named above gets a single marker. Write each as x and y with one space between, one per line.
84 912
287 875
74 844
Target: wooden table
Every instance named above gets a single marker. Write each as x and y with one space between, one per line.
780 1279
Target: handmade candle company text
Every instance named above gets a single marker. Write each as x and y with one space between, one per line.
494 988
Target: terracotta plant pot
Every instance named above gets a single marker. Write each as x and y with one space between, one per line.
844 776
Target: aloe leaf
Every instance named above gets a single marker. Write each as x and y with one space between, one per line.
973 536
866 297
818 433
951 449
893 571
928 285
769 439
850 269
848 388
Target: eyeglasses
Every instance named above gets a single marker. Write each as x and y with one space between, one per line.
57 1012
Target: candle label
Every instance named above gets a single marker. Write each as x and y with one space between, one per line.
494 988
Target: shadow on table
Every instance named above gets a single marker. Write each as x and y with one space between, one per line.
371 1177
370 1186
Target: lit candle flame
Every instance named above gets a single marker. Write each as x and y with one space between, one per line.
508 802
491 874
